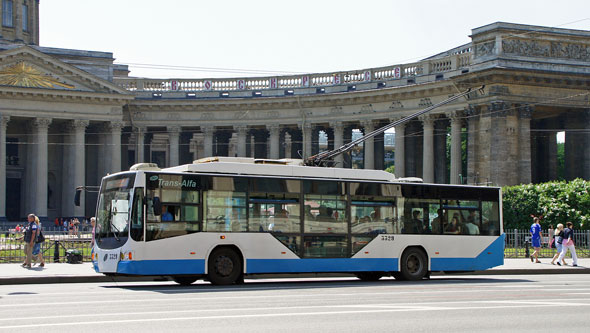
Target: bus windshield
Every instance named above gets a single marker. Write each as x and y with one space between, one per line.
113 207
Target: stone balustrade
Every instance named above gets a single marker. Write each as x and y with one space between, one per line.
452 60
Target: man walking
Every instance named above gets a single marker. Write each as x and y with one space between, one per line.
536 239
29 238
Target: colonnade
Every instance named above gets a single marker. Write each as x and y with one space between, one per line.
51 162
276 141
503 143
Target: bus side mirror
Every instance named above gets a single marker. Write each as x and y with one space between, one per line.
77 197
157 206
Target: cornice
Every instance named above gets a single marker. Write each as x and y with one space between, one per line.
40 94
301 101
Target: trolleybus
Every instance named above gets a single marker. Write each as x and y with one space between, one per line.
222 219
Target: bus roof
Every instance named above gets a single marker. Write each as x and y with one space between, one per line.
284 167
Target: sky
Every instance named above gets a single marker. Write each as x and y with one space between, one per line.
245 38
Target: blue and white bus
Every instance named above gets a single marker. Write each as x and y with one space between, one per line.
221 219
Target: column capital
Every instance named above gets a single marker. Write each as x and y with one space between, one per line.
116 126
140 129
428 120
498 109
273 128
4 120
337 125
241 129
457 115
78 125
525 111
207 129
174 129
306 126
471 111
42 123
368 123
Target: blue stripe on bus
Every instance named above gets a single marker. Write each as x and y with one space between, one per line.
162 267
321 265
492 256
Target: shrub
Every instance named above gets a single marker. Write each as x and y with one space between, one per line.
558 202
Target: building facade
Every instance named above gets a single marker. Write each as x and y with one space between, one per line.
69 117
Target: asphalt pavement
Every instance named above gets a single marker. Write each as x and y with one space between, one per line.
84 272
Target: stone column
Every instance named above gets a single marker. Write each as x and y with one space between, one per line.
472 144
115 144
207 140
315 140
242 133
79 171
369 145
338 128
140 144
400 150
456 168
173 141
274 131
39 160
1 20
307 134
524 145
3 125
428 150
17 8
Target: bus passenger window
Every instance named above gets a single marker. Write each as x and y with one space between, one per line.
490 213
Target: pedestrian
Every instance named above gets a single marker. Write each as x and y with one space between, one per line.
29 239
568 244
93 224
37 247
557 240
536 236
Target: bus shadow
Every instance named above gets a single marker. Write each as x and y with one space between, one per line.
201 287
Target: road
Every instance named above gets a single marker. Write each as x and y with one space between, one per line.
444 304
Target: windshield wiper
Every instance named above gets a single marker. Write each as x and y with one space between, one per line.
118 231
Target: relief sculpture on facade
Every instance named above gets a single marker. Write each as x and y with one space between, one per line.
570 51
529 48
484 49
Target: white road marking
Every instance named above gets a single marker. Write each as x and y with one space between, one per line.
270 315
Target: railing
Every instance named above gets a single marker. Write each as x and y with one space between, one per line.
458 59
12 249
518 244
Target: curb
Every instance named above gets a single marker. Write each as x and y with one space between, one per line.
76 279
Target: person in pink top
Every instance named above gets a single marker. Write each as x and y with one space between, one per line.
93 224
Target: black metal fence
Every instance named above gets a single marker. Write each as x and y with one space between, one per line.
518 244
54 249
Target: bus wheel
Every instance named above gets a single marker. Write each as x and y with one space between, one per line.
225 266
184 280
369 276
414 264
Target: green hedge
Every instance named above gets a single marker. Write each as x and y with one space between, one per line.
558 202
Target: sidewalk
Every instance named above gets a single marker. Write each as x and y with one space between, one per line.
72 273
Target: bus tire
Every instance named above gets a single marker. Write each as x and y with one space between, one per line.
369 276
414 265
184 280
225 266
